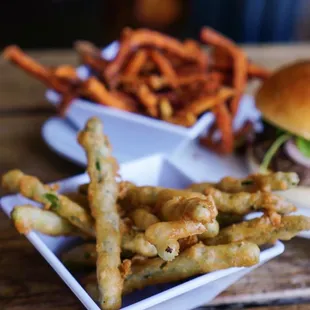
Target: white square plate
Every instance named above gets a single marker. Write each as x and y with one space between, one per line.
189 294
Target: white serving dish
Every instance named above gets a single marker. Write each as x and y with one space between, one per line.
154 170
60 135
147 135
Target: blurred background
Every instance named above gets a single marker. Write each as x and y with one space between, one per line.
57 23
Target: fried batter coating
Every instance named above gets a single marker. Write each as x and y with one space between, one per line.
198 259
212 230
102 194
136 242
27 218
165 235
143 218
275 181
244 203
174 205
81 255
140 196
32 188
262 230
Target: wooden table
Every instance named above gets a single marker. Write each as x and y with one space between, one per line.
28 282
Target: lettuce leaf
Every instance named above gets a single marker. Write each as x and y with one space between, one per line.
303 145
272 151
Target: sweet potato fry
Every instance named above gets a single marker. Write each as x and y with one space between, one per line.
145 37
97 92
156 82
192 78
14 54
136 63
193 48
66 72
214 38
203 104
94 63
165 235
148 99
253 70
223 121
165 109
126 99
183 119
223 62
66 101
87 48
165 67
215 80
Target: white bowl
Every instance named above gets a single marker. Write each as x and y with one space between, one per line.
146 134
189 294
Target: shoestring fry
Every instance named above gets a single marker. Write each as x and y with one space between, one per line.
157 76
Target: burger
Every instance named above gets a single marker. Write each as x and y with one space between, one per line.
283 144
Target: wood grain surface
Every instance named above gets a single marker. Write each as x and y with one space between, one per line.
26 279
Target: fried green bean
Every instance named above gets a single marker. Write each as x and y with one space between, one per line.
165 235
143 218
261 230
27 218
78 198
212 230
227 219
11 180
140 196
196 260
276 181
136 242
32 188
81 255
174 205
102 193
243 203
86 255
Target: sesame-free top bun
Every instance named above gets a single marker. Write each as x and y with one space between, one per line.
284 99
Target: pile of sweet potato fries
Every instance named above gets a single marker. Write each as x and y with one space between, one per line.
158 76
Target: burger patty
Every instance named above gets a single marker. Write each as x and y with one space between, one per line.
281 161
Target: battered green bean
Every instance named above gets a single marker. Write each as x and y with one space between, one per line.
256 182
81 255
212 230
102 193
261 230
198 259
32 188
174 205
243 203
27 218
